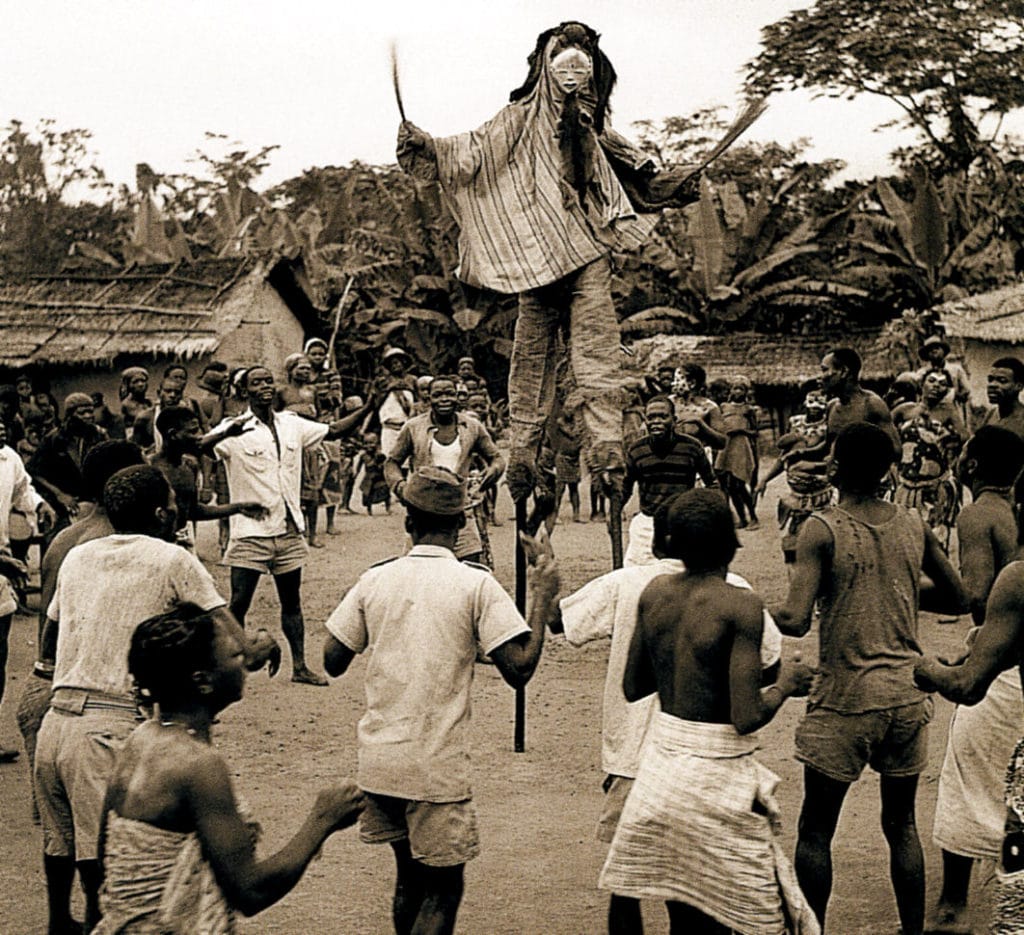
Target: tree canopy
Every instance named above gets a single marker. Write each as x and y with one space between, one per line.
948 64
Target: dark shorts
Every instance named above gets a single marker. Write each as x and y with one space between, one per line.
440 834
893 741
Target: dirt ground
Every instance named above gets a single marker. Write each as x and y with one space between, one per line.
537 810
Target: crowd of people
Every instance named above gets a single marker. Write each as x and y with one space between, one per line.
139 651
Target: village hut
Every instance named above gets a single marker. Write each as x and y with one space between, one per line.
76 329
776 364
982 328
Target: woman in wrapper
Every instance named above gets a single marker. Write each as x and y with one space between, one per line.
736 465
132 393
178 851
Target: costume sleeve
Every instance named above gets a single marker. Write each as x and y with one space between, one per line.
460 157
496 616
347 622
589 613
192 582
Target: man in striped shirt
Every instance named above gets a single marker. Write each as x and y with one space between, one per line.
543 193
661 464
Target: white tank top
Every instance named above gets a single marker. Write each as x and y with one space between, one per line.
446 456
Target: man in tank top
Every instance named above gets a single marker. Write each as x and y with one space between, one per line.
445 437
861 562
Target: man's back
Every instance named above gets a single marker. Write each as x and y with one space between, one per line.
868 602
689 625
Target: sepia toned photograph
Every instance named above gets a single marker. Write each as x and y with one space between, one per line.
518 468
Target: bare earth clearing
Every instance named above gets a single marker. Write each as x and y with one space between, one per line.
538 869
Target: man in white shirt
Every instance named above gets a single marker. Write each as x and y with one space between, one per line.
262 454
604 608
17 493
104 589
424 617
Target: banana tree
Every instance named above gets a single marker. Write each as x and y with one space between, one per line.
742 264
935 246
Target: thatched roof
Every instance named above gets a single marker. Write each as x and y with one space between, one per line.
94 314
996 316
780 360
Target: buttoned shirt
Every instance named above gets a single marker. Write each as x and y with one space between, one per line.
16 492
269 472
423 618
663 468
105 589
414 442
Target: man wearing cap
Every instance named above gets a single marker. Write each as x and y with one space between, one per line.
444 437
423 640
262 455
56 465
398 399
934 352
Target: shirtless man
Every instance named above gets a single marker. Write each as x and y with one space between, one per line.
969 811
850 402
861 562
688 833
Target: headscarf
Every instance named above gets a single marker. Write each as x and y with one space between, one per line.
127 375
312 341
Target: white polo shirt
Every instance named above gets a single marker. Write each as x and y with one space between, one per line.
257 471
423 618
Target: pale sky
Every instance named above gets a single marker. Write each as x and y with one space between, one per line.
148 78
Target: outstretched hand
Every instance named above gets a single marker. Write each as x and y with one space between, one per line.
340 806
411 136
239 425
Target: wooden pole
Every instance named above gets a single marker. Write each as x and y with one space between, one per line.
337 321
615 523
520 726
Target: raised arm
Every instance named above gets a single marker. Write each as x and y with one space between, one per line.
251 885
752 706
517 659
996 647
813 550
945 594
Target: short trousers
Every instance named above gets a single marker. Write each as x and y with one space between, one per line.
893 741
468 541
616 790
440 834
75 757
269 555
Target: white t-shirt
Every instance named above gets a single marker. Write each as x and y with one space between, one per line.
105 589
423 617
258 471
607 607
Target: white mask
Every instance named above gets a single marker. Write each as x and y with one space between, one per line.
571 70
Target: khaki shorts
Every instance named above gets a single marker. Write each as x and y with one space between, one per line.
893 741
269 555
75 756
440 834
616 790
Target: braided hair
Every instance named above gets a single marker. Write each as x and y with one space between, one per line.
165 651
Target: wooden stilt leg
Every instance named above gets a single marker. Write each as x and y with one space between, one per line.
520 725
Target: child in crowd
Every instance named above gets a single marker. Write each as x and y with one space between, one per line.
736 465
374 487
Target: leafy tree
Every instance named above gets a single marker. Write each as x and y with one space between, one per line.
41 171
947 64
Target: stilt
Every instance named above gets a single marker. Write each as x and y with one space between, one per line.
520 726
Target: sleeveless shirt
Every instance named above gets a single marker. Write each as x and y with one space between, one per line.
868 605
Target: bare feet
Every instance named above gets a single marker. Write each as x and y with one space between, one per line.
949 920
333 531
306 676
315 544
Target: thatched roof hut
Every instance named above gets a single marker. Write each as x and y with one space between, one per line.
985 327
75 326
770 361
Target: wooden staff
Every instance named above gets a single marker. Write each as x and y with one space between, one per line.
520 727
615 522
